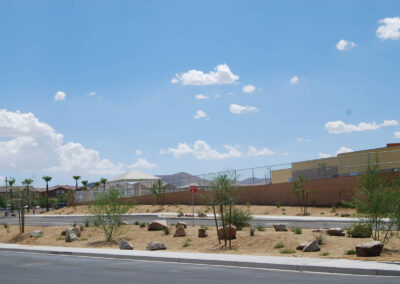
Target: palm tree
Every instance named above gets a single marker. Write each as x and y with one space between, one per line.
85 183
103 181
76 178
97 184
11 183
47 179
27 182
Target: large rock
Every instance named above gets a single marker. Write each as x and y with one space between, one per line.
335 232
369 249
181 224
311 246
360 231
201 215
302 245
36 234
75 229
124 244
231 237
280 227
70 235
202 233
343 214
157 225
156 246
180 232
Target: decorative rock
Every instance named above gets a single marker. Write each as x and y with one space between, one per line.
280 227
36 233
302 245
70 235
64 232
335 232
156 246
202 233
232 236
202 215
343 214
76 231
312 246
157 225
124 223
369 249
179 232
320 230
181 224
124 244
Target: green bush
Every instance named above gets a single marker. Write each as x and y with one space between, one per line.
350 252
278 205
137 223
287 251
279 245
166 231
260 228
360 231
298 231
320 238
142 225
240 218
87 223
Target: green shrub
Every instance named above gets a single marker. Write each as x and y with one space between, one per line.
287 251
81 228
5 225
260 228
166 231
74 225
278 205
350 252
333 210
279 245
252 231
87 223
240 218
320 238
360 231
180 214
60 238
187 243
142 225
137 223
298 231
325 253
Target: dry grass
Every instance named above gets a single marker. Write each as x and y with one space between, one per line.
254 209
261 244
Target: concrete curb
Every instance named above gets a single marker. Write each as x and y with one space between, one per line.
342 266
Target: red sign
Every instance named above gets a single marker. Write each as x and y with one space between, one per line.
193 189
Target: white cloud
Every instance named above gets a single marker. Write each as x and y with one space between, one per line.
238 109
343 150
389 29
263 152
248 88
221 75
338 127
344 45
202 151
200 114
303 140
34 146
201 97
2 180
92 93
294 80
397 134
60 96
142 163
138 152
324 155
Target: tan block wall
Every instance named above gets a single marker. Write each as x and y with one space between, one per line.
279 176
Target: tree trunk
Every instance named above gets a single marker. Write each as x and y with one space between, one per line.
216 223
221 209
230 226
47 196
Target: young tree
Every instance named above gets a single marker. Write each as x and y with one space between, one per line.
84 183
96 185
103 181
108 210
158 190
47 179
299 188
27 182
76 178
11 183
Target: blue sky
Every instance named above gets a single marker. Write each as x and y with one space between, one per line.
113 64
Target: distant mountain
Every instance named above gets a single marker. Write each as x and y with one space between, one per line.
181 179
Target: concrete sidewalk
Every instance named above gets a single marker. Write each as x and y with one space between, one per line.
267 262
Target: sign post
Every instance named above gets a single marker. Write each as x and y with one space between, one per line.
193 190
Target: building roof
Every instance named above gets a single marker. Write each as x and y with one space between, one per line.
133 176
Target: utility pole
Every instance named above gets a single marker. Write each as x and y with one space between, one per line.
6 198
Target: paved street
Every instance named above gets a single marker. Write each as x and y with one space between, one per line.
43 268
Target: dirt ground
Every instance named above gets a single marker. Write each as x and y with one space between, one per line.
254 209
261 244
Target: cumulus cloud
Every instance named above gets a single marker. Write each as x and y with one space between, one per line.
397 134
338 127
303 140
200 114
324 155
201 97
294 80
2 180
344 45
248 88
389 28
60 96
142 163
253 152
138 152
343 150
238 109
32 145
202 151
221 75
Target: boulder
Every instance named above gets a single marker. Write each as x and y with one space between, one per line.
202 215
343 214
124 244
180 232
36 234
360 231
181 224
76 231
157 225
302 245
335 232
232 236
202 233
156 246
70 235
124 223
64 232
311 246
373 248
280 227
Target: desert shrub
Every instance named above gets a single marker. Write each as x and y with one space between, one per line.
187 243
5 225
240 218
333 209
60 238
87 223
350 252
142 225
180 214
166 231
252 232
278 205
279 245
260 228
81 228
320 238
287 251
360 231
325 253
137 223
298 231
74 225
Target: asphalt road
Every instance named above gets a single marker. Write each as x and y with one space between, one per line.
69 220
43 268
